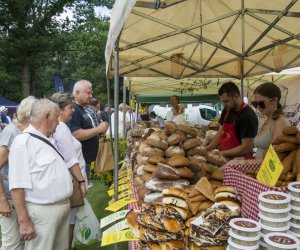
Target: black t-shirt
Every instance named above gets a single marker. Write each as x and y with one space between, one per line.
80 120
246 123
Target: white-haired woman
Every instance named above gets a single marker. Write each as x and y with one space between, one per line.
70 148
8 218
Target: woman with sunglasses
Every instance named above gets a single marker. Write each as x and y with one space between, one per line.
267 101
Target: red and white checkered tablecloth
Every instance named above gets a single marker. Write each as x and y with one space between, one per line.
247 187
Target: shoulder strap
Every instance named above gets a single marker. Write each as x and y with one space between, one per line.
47 142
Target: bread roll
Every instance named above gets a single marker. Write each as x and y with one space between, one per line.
165 171
174 150
198 150
191 143
290 130
156 159
187 129
176 192
286 146
178 161
197 159
175 201
174 139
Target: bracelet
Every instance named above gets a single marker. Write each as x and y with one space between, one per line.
81 181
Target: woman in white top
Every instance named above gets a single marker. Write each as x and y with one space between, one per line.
70 148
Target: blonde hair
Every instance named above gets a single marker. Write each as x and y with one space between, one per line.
24 109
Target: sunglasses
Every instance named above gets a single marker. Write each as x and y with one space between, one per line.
261 104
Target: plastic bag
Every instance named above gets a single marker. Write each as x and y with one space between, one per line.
86 229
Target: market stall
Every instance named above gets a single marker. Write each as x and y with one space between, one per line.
196 39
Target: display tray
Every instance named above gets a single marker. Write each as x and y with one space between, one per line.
247 187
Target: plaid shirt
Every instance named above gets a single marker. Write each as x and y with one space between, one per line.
93 116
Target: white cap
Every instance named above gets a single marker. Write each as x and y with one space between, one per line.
3 108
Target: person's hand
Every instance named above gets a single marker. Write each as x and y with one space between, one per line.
102 127
27 231
5 208
83 189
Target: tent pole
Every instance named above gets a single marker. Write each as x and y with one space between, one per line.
109 115
124 109
116 121
243 46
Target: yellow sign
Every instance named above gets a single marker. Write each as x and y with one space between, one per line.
122 195
119 204
115 237
120 188
270 169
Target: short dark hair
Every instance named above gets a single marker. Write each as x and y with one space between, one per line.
229 88
177 97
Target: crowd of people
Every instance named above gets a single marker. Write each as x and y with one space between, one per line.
52 141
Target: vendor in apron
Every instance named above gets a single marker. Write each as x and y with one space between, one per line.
238 125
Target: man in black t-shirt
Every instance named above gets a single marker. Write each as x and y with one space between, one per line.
81 125
238 125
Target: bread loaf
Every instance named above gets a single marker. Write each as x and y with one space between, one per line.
217 174
216 159
146 176
187 129
174 150
191 143
153 196
165 171
286 138
151 151
149 168
156 159
197 159
288 162
159 184
155 140
170 127
286 146
174 139
185 173
198 150
178 161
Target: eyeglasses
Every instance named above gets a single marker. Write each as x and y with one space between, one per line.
261 104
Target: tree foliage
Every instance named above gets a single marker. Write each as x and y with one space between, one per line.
36 42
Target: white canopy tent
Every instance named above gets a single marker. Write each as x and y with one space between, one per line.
204 38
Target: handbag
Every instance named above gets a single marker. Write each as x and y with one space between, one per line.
105 158
76 199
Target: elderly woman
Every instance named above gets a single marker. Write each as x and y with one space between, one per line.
70 148
267 101
8 220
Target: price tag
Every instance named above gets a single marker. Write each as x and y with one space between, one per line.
120 188
112 218
121 225
122 195
270 169
116 237
119 204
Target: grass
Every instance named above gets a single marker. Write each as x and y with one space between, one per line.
98 198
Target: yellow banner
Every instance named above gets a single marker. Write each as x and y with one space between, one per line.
111 192
270 169
119 204
115 237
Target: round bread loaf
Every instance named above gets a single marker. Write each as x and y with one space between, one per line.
216 159
174 150
170 127
174 139
156 141
146 176
197 159
142 146
165 171
156 159
178 161
151 151
187 129
191 143
186 172
198 150
149 168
